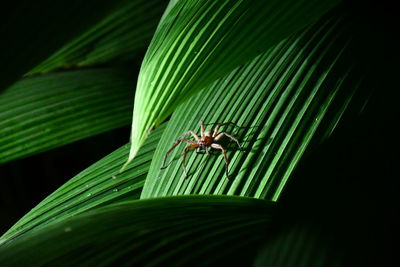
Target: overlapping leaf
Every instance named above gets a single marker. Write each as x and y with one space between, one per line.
31 31
48 111
182 230
285 101
120 35
97 185
199 41
301 245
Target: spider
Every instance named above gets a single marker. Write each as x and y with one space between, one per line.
208 139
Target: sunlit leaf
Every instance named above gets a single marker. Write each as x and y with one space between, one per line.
199 41
286 100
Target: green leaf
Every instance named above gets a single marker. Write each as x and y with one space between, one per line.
301 245
97 185
121 35
286 101
199 41
44 112
182 230
31 31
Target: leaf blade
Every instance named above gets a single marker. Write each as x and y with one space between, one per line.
99 184
193 47
121 35
177 220
40 113
37 22
287 100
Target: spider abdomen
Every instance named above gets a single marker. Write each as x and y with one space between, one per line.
208 141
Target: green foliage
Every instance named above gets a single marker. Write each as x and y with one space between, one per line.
296 78
32 31
150 232
48 111
121 35
96 186
199 41
285 100
40 113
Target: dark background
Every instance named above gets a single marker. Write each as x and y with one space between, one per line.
354 174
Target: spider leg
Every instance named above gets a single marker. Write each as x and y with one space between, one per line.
202 128
192 133
177 142
229 136
184 156
206 149
217 146
222 124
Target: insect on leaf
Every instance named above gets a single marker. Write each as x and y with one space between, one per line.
286 101
199 41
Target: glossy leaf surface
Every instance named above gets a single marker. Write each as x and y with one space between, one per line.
96 186
40 113
199 41
286 100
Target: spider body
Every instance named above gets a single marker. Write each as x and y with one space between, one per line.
206 140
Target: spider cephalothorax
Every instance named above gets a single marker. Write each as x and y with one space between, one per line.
208 139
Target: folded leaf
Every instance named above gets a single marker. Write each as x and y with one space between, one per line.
179 231
44 112
199 41
97 185
286 100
